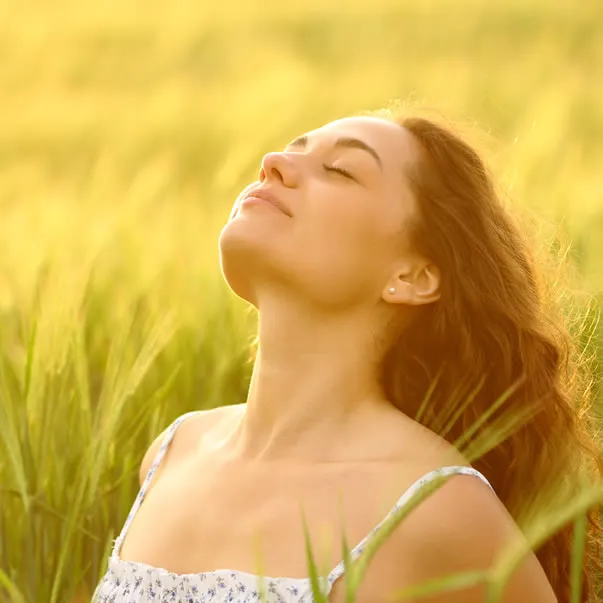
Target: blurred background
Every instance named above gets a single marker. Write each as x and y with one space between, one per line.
127 129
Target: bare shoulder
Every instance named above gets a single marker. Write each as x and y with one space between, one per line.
188 434
463 527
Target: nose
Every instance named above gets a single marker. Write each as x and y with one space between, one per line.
277 166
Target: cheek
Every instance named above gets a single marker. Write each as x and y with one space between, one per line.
352 225
343 240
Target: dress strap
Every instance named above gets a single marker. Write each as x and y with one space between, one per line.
169 436
339 569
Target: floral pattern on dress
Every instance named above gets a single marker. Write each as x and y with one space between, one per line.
135 582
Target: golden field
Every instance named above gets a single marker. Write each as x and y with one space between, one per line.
127 129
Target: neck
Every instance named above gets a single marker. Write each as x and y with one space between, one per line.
312 391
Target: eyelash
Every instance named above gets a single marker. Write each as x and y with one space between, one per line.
332 168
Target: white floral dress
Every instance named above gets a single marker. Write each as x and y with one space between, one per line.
135 582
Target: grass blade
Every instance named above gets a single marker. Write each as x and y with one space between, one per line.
438 585
578 558
389 525
348 571
537 534
319 596
13 592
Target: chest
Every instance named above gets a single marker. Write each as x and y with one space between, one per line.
202 516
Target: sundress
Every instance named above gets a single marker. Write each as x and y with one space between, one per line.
135 582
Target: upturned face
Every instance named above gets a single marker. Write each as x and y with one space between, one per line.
347 203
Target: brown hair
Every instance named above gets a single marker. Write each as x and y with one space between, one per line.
492 328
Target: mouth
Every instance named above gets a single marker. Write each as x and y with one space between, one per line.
265 195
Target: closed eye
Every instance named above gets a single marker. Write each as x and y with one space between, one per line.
332 168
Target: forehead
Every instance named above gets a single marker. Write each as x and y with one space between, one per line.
392 142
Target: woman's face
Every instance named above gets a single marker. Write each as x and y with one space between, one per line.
342 241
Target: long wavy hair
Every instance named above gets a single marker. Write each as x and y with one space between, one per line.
495 329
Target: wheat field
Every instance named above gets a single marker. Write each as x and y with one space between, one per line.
128 128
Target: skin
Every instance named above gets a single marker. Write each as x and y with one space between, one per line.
322 277
316 429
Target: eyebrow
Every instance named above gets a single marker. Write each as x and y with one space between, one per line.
346 141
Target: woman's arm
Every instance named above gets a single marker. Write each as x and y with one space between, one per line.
465 528
461 527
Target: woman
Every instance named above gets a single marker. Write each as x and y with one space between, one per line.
384 264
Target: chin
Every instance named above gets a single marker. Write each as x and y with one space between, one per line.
249 254
241 256
240 286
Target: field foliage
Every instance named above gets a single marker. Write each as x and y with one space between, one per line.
126 131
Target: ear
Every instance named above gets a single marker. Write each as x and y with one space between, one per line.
416 286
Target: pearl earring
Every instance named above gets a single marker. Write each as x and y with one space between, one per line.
392 290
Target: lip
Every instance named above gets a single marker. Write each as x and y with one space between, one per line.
262 193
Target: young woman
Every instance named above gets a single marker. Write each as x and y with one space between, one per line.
381 263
